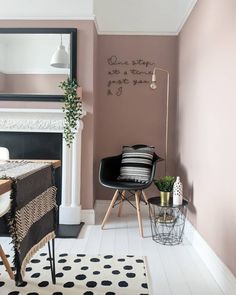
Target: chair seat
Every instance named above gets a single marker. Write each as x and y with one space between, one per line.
5 204
125 185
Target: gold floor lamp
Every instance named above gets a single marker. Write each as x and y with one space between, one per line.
153 86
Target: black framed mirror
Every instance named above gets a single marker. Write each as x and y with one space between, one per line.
33 61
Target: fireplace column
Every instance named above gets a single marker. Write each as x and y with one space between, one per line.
70 208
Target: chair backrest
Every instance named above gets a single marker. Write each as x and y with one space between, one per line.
4 153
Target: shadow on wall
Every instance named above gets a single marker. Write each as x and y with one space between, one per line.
188 188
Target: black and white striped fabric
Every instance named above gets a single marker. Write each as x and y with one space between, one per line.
136 164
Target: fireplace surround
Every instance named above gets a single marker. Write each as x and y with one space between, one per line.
51 121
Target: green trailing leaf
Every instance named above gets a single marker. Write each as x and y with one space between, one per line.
72 109
165 184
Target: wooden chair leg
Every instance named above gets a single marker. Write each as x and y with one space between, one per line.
137 200
6 263
145 197
110 207
121 203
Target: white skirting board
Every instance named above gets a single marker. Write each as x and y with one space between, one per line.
88 216
221 273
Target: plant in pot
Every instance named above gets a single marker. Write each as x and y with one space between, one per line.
72 109
165 186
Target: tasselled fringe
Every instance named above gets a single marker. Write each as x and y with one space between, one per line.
34 249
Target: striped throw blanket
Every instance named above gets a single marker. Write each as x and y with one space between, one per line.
32 217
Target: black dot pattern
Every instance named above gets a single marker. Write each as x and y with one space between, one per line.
116 272
43 284
43 254
144 285
108 256
94 260
123 284
130 275
107 266
128 267
91 284
106 283
35 261
22 284
80 277
62 260
69 285
35 275
66 268
63 255
83 273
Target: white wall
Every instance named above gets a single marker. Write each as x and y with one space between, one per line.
18 9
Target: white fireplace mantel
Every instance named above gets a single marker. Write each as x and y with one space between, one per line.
45 121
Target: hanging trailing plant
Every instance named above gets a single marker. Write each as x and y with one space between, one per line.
72 109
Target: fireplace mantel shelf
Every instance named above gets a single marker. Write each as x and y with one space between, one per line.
33 120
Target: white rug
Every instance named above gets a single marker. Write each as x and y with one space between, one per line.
79 274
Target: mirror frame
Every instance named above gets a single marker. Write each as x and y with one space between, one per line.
73 61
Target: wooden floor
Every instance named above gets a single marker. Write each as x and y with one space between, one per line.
176 270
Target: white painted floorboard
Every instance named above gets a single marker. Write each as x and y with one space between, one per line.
176 270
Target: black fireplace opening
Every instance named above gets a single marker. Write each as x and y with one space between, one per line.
33 145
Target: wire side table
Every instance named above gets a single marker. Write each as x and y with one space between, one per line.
167 222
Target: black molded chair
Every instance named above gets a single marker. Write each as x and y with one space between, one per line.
108 174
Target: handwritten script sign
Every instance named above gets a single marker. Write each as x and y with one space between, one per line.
125 73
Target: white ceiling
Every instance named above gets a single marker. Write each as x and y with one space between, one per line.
145 17
149 17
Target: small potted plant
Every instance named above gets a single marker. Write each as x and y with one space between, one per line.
165 186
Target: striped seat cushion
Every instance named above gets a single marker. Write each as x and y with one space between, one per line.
136 164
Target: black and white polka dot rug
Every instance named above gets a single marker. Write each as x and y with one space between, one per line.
80 274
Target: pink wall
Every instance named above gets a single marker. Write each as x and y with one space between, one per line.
2 82
33 83
138 114
85 75
207 120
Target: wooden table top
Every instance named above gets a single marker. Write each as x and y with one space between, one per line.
5 185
